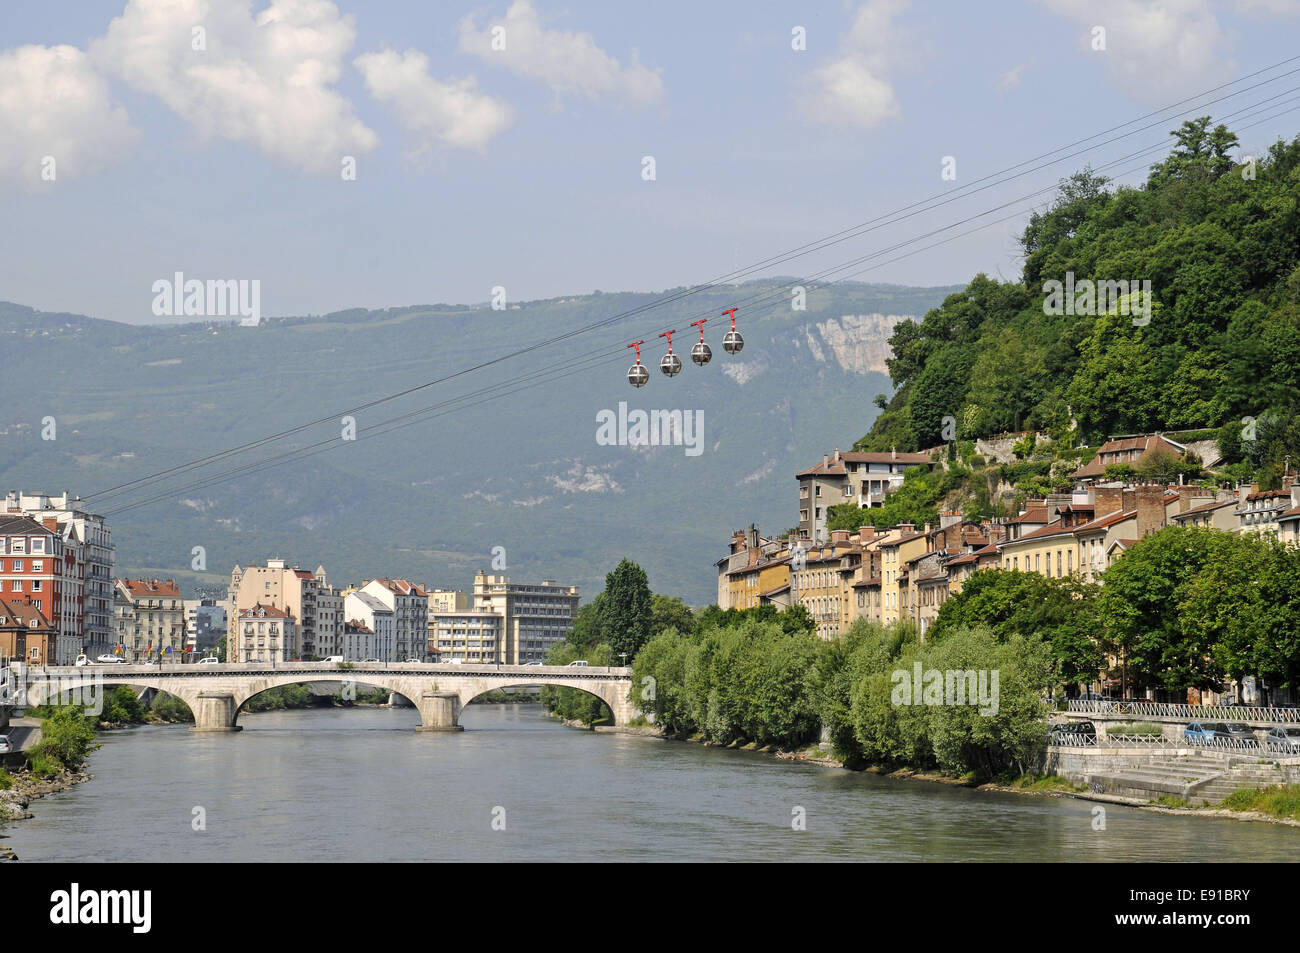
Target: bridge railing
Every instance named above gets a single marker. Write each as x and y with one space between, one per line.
1262 713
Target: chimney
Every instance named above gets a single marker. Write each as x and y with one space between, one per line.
1150 509
837 454
839 536
907 527
826 460
893 453
866 533
1129 500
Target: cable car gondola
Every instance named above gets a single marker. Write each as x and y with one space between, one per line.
701 353
670 363
732 342
638 375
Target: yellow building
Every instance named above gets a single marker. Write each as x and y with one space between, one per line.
894 556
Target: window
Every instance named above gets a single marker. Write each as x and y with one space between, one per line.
18 565
38 545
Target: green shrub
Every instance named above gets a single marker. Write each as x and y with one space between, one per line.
43 766
6 779
67 736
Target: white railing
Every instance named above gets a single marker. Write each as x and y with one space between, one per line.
1190 712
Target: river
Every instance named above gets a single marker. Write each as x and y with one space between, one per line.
360 785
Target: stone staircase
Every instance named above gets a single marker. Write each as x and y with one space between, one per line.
1202 778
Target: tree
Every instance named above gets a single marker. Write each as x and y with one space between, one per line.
669 612
1058 612
1138 608
626 609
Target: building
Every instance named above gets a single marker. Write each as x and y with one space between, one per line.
330 620
264 633
358 641
293 589
1131 450
34 565
371 612
468 636
155 623
26 634
90 542
205 625
534 617
855 477
447 600
410 605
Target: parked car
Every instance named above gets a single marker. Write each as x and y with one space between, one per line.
81 660
110 660
578 663
532 663
1284 739
417 661
209 660
370 660
332 658
1203 733
1072 733
1235 736
6 746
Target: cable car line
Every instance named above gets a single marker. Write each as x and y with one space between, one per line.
966 190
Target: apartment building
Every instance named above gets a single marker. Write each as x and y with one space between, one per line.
150 615
853 477
534 617
410 606
205 625
293 589
821 580
26 633
371 612
358 641
896 553
34 565
330 619
89 542
264 633
468 636
447 600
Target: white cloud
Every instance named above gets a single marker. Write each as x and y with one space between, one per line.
1155 52
852 90
453 112
53 103
266 80
1011 78
567 62
1265 9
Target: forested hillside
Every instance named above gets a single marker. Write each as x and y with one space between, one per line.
1219 347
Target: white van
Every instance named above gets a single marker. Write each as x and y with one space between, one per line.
332 658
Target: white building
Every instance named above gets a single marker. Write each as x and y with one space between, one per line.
410 605
265 633
366 609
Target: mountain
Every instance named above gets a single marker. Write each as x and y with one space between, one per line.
519 467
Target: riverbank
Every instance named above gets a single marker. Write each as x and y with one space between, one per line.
26 787
818 755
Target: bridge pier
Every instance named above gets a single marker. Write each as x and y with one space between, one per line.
214 711
439 711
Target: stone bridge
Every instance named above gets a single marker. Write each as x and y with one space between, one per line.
439 691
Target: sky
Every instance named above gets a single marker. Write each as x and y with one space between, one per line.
400 152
